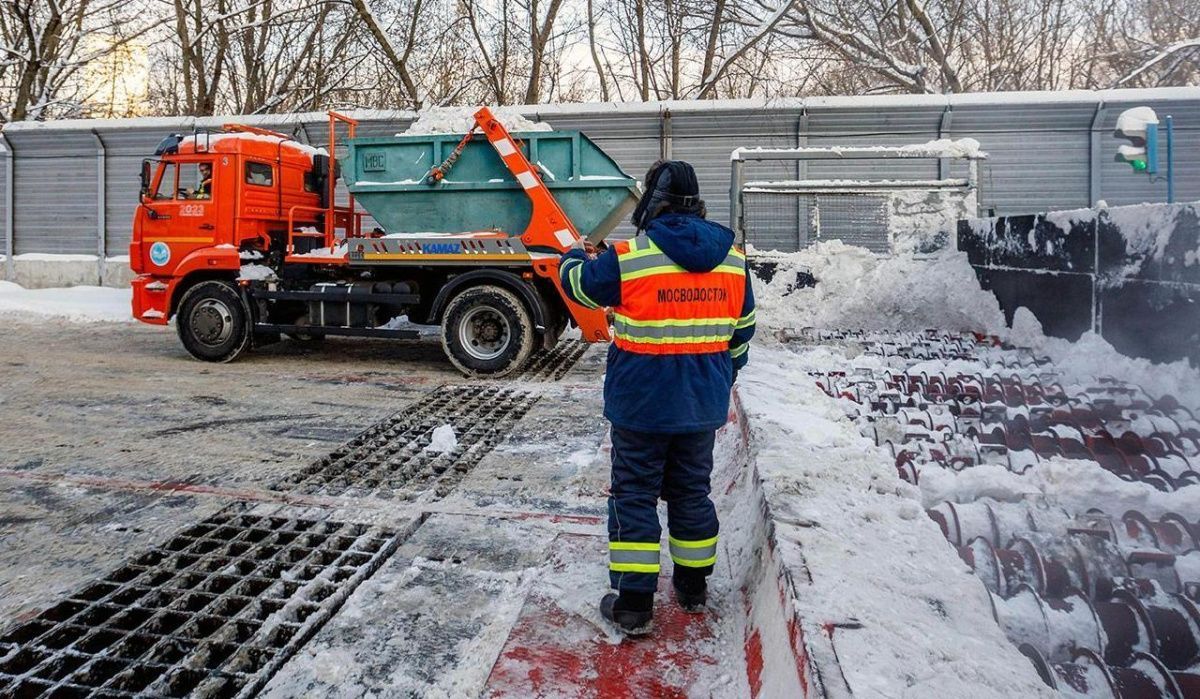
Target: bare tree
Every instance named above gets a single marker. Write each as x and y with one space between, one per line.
46 43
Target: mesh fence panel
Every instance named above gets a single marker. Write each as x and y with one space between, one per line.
790 221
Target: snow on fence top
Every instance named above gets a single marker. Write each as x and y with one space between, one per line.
541 111
966 148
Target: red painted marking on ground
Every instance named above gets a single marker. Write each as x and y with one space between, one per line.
799 650
754 661
552 518
554 653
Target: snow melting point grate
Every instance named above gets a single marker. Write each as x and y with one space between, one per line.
554 365
213 612
1101 604
390 459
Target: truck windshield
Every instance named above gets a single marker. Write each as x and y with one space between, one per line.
166 183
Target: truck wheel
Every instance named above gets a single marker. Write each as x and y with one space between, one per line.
486 330
212 322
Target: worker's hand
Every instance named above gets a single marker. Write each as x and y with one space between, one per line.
585 246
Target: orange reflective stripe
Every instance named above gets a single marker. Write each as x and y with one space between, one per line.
666 309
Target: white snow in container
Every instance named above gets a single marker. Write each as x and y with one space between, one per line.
460 120
442 440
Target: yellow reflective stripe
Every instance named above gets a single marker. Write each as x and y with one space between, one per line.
694 563
745 321
692 544
651 271
634 567
677 323
739 350
730 269
633 546
634 254
577 286
737 253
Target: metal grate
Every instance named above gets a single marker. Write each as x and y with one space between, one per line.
787 221
390 458
554 365
213 612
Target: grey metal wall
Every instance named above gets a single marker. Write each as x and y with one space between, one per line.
1048 151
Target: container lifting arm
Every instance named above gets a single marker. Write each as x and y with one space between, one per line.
550 232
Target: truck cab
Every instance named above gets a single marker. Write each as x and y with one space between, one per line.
239 238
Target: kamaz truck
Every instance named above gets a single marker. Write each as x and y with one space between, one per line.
239 238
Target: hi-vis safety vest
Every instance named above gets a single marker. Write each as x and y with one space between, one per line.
666 309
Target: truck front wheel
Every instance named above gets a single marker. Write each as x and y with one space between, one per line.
486 330
213 323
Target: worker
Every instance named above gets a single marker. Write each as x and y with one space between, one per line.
683 315
204 191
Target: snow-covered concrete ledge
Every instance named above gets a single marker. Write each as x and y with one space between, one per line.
44 271
874 601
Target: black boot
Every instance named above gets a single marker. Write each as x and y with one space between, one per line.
691 589
631 612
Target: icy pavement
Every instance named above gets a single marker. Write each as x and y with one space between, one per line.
282 525
358 561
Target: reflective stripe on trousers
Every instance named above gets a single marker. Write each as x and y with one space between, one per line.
694 554
633 557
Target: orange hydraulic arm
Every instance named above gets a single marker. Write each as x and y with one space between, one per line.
550 231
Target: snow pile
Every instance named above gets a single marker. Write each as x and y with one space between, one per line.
460 120
1147 230
858 289
921 220
950 148
77 303
442 440
907 616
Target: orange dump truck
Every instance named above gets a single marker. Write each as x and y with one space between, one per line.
239 238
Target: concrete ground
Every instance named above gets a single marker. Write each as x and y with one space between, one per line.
481 569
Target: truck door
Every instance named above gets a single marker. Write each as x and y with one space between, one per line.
181 214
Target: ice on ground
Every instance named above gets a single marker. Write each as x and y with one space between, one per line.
460 120
858 289
76 303
442 440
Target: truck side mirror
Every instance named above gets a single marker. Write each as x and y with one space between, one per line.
145 191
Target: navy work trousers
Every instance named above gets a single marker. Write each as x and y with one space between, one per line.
646 467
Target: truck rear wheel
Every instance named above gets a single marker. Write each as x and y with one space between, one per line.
213 323
486 330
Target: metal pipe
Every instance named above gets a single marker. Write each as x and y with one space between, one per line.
944 126
9 264
101 218
1170 161
1094 154
735 201
664 134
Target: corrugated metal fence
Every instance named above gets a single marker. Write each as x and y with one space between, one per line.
74 183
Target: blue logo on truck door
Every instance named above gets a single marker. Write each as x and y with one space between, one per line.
441 248
160 253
